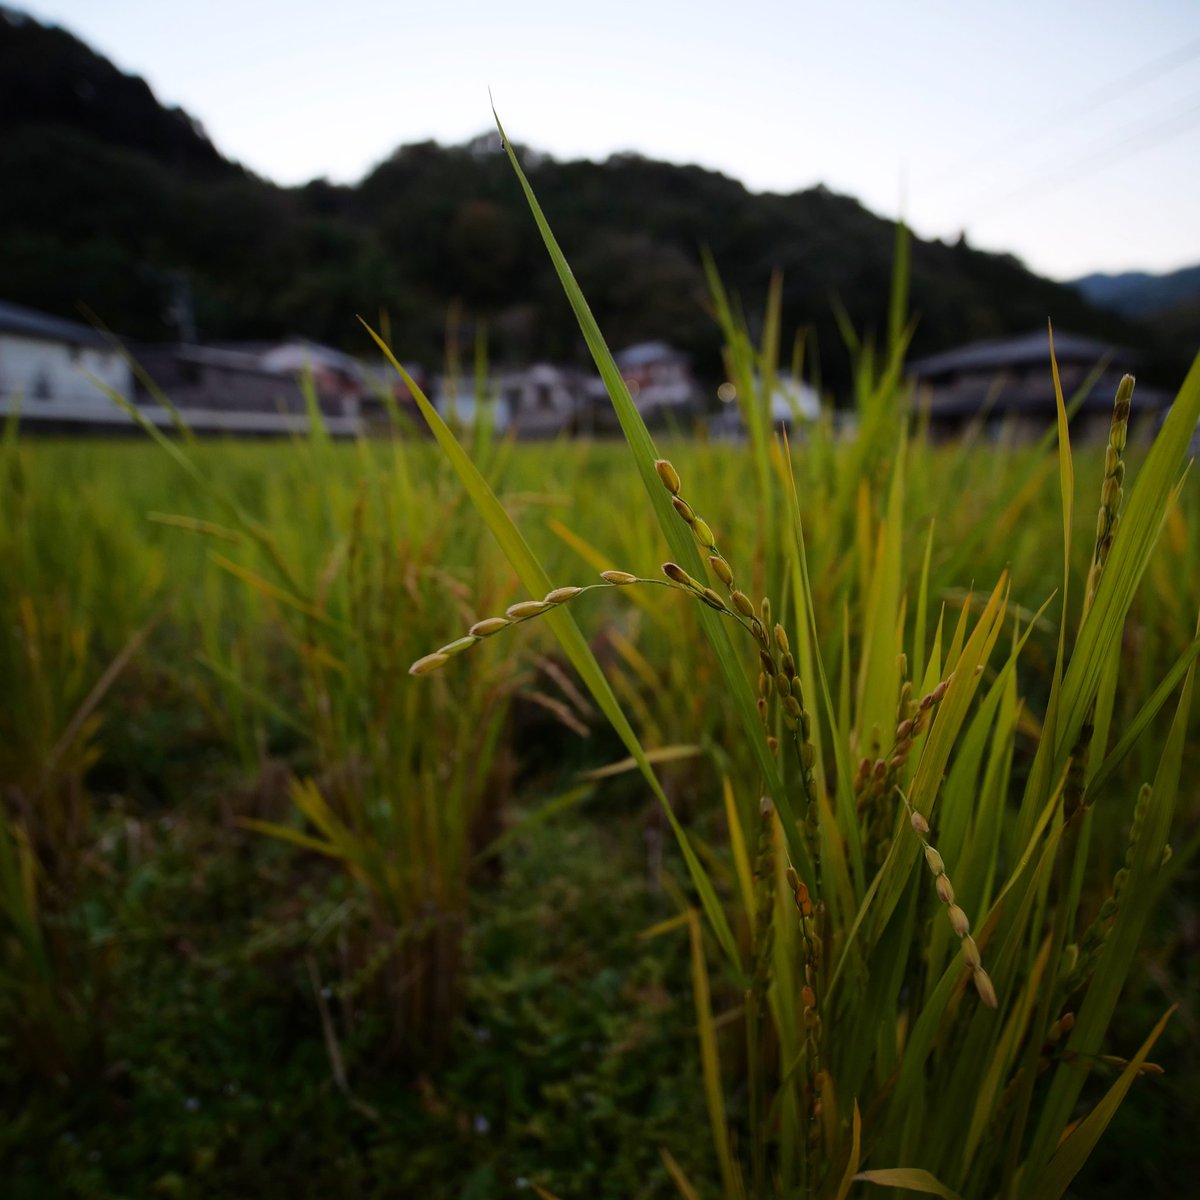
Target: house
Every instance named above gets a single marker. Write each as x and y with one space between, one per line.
544 400
62 375
794 404
249 388
458 405
659 379
1006 384
537 402
55 372
660 382
386 405
338 379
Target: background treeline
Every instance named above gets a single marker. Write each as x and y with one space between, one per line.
111 200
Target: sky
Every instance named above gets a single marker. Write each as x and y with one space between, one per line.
1067 133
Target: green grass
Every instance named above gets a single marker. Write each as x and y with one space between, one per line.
185 938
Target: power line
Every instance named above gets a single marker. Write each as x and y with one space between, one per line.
1133 140
1116 89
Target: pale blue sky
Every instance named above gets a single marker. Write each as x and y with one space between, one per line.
1065 132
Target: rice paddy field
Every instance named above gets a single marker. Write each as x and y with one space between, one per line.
385 820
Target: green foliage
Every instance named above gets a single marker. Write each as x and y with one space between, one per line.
187 934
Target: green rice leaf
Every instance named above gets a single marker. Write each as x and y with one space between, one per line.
1073 1152
1121 945
710 1061
1137 727
1152 493
679 537
844 791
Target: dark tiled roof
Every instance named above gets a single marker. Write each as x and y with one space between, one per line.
644 353
1027 349
15 318
976 398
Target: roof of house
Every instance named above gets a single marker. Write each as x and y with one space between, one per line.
299 355
1026 349
259 358
383 375
217 356
644 353
979 398
15 318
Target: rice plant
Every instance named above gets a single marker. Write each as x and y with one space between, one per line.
927 956
72 625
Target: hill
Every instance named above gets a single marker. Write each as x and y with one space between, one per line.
114 200
1139 294
50 78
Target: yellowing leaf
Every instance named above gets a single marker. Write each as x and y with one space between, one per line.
911 1179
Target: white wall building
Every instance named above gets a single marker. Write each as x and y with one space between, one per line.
45 364
658 376
544 399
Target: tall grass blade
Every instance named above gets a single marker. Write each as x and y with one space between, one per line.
710 1061
1149 499
1074 1151
683 545
909 1179
1121 945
